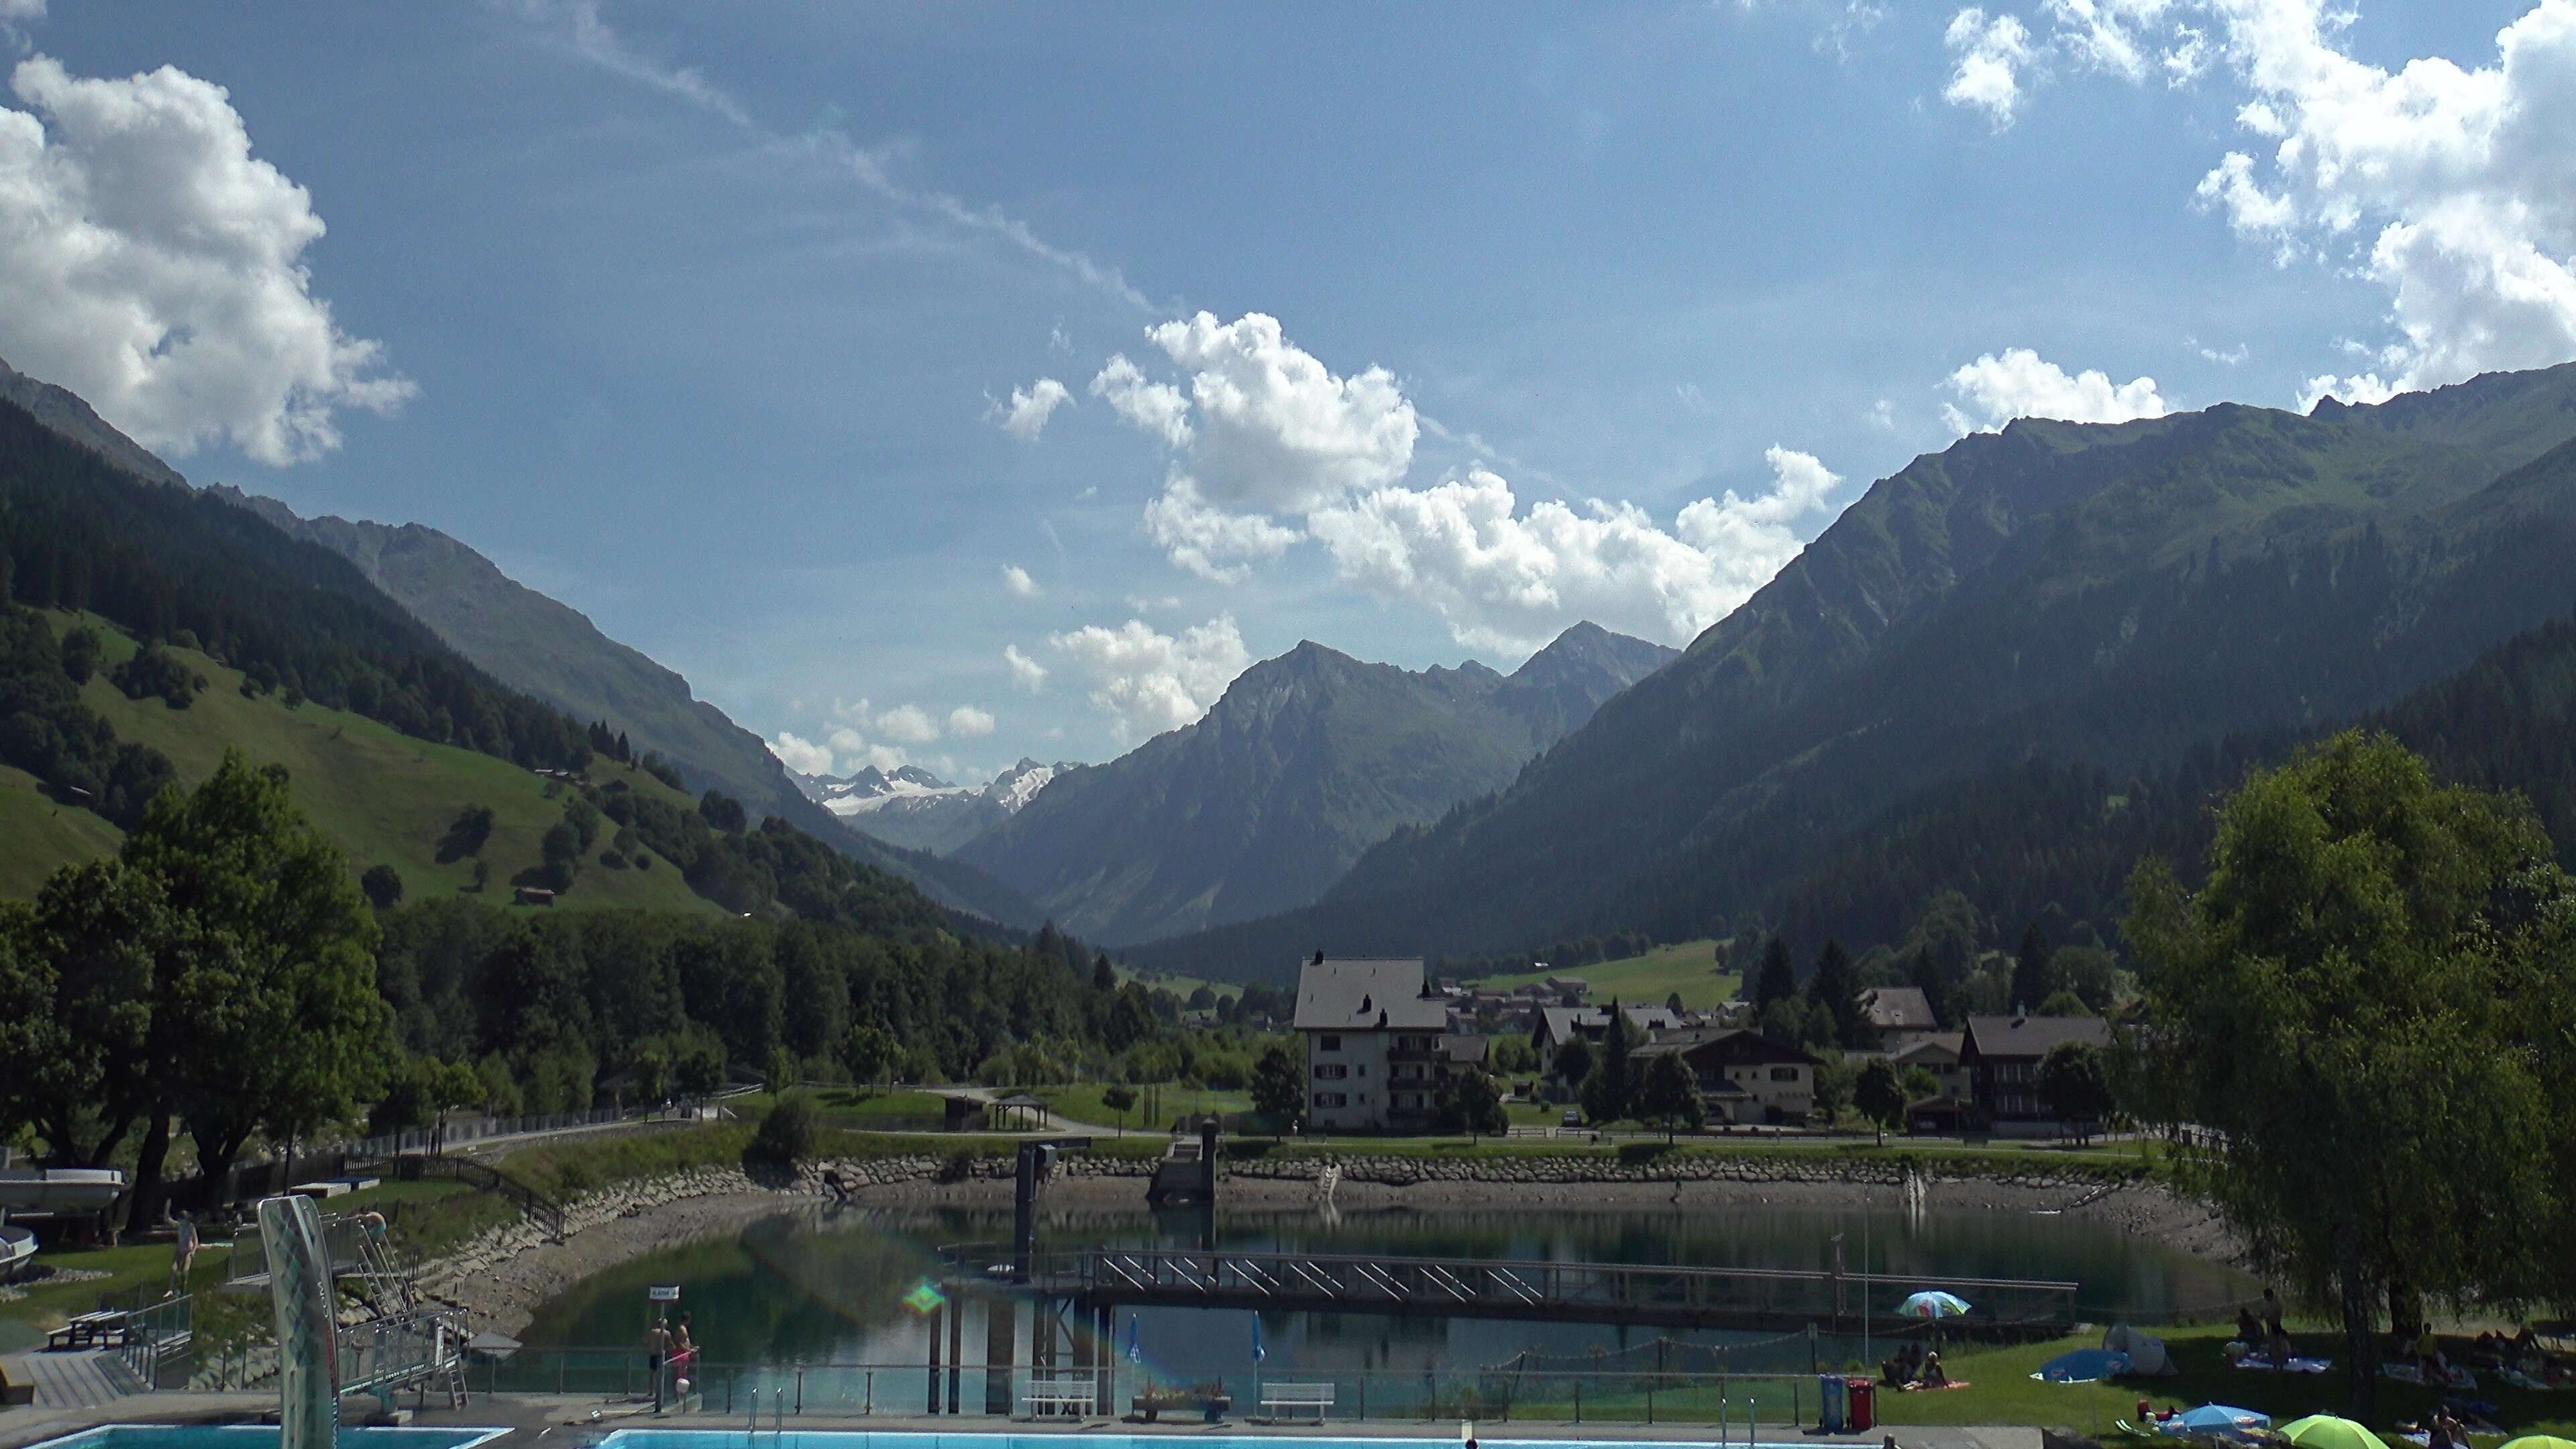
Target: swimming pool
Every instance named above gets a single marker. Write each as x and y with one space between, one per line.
260 1436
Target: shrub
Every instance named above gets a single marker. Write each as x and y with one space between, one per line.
786 1135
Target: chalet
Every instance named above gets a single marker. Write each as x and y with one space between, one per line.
1373 1034
1558 1025
1898 1015
1937 1053
2001 1055
1744 1076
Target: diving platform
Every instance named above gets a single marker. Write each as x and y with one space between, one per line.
1757 1299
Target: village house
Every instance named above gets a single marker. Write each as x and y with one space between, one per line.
1744 1076
1898 1015
1373 1031
2001 1055
1558 1025
1937 1053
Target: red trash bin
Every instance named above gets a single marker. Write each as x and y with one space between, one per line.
1864 1404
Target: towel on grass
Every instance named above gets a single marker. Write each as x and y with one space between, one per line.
2294 1366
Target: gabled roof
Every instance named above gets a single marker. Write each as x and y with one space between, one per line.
1562 1022
1939 1045
1898 1008
2019 1038
1729 1044
1367 994
1468 1051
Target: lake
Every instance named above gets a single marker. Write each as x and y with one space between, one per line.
834 1287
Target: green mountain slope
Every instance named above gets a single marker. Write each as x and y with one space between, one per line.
554 652
381 796
2109 598
1305 762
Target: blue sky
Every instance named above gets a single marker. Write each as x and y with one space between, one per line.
708 318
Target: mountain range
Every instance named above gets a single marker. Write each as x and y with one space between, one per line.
1304 763
911 807
2108 599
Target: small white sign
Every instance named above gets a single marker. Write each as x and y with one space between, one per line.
663 1293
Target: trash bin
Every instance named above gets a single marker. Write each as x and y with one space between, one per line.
1864 1405
1831 1410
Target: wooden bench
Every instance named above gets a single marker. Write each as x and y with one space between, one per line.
89 1330
1276 1398
1067 1397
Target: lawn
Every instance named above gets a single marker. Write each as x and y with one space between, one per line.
1081 1105
1177 984
38 837
1689 968
2003 1392
42 1306
380 795
428 1217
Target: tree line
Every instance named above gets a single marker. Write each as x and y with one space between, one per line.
223 977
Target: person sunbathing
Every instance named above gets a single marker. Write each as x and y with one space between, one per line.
1933 1376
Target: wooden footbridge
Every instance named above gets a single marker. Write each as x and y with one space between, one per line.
1773 1299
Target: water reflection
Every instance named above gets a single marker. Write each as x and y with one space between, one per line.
831 1286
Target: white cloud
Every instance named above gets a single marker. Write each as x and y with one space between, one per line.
2449 187
1017 580
1275 428
1025 415
1882 415
1157 407
155 266
801 755
969 723
2020 384
909 723
848 741
2108 35
1148 681
1026 673
1992 52
1509 580
1210 542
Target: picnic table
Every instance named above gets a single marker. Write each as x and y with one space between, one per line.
103 1329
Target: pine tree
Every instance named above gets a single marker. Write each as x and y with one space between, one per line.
1836 987
2034 978
1776 978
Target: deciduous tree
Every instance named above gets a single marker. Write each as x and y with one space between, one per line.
1880 1096
1670 1094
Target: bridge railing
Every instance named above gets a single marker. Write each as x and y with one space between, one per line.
1168 1275
1741 1401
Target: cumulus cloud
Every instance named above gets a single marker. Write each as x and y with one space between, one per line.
2021 384
1992 52
1509 579
803 756
1275 428
1157 407
909 723
155 266
1210 542
1025 415
1148 681
969 723
1017 580
1026 673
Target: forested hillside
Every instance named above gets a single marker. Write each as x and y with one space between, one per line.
156 627
2083 605
552 652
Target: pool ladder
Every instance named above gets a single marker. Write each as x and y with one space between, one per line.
777 1416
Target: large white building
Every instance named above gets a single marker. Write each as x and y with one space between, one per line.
1373 1055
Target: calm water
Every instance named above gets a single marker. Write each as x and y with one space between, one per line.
824 1286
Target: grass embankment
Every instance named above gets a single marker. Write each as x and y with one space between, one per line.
2003 1392
379 795
1080 1105
1181 986
1689 968
46 1304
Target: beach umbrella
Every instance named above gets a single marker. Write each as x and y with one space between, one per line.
2539 1441
2222 1419
1933 1304
1259 1351
1135 1348
2084 1366
2325 1431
